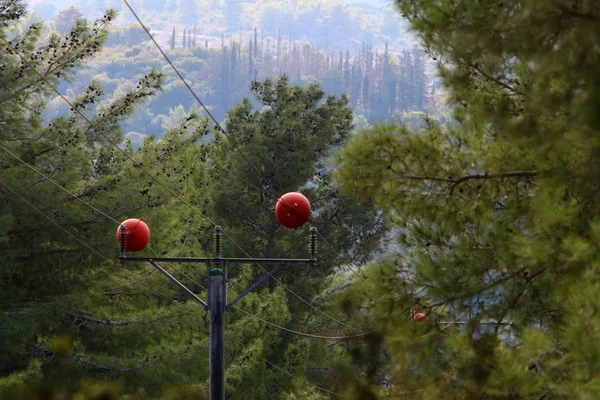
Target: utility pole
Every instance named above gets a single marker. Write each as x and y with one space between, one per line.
216 303
217 292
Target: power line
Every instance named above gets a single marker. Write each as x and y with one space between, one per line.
236 147
162 184
68 192
335 252
114 263
289 373
57 184
138 165
108 139
301 333
189 278
217 124
72 235
279 326
112 219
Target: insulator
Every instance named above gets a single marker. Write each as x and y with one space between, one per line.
312 242
123 235
218 242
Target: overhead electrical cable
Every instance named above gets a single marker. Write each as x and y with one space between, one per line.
236 147
181 272
302 333
289 373
138 165
279 326
217 124
113 262
47 178
25 201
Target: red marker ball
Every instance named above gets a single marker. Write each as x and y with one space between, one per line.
420 317
135 236
292 210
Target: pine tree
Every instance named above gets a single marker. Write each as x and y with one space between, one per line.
287 138
495 213
365 91
255 43
69 314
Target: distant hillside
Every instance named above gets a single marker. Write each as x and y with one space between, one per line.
359 48
327 24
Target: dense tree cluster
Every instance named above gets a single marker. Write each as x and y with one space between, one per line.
463 251
271 39
495 214
72 316
379 84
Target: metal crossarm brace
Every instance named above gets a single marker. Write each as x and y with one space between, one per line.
251 288
216 269
181 285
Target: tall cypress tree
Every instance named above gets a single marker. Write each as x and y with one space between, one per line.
173 37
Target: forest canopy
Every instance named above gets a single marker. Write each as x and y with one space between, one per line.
454 187
496 213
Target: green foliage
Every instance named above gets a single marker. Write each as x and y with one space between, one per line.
78 324
493 213
67 312
287 138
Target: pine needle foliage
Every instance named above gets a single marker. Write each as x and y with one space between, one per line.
77 323
495 214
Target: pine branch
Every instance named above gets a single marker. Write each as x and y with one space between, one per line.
495 80
458 181
80 358
107 322
121 294
85 319
512 174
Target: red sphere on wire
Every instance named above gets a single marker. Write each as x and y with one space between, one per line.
292 210
135 236
420 317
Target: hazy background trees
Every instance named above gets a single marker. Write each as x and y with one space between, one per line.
361 49
72 316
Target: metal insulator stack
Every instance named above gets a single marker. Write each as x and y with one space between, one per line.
123 234
312 243
218 241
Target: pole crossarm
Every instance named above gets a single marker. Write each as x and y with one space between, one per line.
181 285
251 288
216 261
216 268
